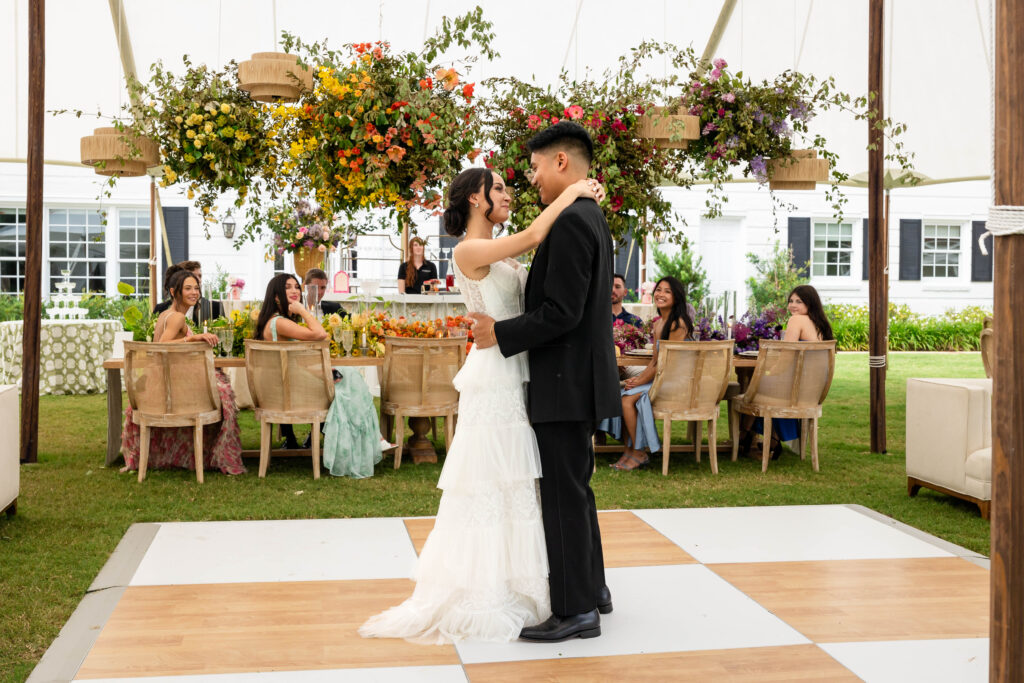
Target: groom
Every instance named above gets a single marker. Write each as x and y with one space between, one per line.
573 379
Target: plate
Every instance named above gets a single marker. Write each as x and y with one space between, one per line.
640 352
748 354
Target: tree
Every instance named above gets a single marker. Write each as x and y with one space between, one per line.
685 267
776 277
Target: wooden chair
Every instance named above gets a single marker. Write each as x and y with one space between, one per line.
988 340
291 383
791 380
171 385
417 382
691 380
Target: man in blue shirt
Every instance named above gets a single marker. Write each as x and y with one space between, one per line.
619 293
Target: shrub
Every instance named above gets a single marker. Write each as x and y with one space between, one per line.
685 267
776 277
11 307
908 331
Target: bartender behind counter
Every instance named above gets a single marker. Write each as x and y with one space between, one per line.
417 270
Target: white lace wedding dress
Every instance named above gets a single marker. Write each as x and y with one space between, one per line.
482 574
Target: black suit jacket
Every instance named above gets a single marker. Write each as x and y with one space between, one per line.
329 307
573 375
214 308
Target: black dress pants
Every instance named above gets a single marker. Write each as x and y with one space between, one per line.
575 558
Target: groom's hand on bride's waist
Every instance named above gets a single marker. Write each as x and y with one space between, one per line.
483 330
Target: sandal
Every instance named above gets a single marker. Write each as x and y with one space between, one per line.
640 464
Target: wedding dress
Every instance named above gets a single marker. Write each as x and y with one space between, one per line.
482 574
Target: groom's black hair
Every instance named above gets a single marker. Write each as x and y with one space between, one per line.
566 136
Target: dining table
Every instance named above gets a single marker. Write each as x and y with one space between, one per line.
114 367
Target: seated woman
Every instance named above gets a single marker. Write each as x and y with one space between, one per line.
352 443
673 324
173 446
807 322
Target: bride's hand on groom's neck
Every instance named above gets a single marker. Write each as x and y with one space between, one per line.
483 330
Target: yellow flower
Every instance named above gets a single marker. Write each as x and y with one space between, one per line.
254 314
178 119
242 135
190 159
225 108
198 143
208 127
190 133
191 193
208 156
334 320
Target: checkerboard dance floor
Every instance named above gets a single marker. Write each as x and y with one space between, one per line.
829 593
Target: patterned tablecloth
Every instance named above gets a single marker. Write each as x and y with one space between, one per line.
71 354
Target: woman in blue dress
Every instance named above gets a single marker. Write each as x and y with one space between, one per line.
674 324
807 322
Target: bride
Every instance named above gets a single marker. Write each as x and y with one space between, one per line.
482 573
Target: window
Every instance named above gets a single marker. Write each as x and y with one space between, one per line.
940 256
12 251
133 259
833 249
77 244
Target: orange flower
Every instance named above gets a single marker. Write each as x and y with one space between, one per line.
448 77
396 153
467 90
426 83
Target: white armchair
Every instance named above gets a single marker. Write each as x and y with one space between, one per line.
949 438
10 463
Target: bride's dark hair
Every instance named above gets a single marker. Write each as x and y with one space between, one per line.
456 214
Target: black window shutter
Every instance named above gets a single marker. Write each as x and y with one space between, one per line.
910 249
800 243
981 265
866 250
176 222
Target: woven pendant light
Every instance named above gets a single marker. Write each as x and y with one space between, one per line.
799 171
274 77
109 152
660 127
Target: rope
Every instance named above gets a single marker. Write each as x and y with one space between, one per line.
572 36
1002 221
876 361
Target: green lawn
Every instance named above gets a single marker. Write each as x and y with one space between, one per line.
73 511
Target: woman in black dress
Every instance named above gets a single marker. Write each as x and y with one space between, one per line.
417 270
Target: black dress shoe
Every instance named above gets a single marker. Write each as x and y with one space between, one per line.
604 600
556 628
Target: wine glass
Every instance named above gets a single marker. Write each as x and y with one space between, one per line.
229 340
336 334
348 338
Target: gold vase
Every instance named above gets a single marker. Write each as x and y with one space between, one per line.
306 258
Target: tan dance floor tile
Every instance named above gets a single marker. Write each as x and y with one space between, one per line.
862 600
756 665
628 541
245 627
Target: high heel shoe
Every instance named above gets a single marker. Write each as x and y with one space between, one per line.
776 449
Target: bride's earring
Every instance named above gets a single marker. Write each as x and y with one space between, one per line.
476 205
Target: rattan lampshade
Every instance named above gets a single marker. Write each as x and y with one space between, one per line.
109 151
274 77
659 126
800 171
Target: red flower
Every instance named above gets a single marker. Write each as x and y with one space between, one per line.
616 203
467 90
510 173
544 113
426 83
602 139
554 120
619 126
721 112
400 103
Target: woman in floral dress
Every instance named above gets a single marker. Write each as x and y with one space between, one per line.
171 447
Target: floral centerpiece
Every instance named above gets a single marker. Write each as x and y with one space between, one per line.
304 227
212 135
381 129
751 328
630 337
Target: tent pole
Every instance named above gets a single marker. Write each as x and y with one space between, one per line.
1006 655
716 35
878 290
33 234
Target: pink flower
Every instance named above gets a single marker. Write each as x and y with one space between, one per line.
322 248
720 63
729 97
720 112
574 112
715 75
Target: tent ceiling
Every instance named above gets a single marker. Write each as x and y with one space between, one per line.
937 71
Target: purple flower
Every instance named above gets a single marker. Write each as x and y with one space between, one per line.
759 116
733 142
729 97
799 112
720 63
759 169
781 128
709 128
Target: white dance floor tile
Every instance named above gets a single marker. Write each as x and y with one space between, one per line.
784 534
671 608
935 661
405 674
283 550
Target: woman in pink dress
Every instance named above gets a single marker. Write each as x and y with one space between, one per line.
171 447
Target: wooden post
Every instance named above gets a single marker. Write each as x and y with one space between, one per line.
1006 644
33 233
878 286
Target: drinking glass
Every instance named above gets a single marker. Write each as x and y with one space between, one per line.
336 334
348 338
313 297
229 340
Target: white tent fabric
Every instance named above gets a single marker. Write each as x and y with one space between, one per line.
937 52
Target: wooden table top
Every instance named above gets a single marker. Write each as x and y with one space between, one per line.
737 361
232 362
